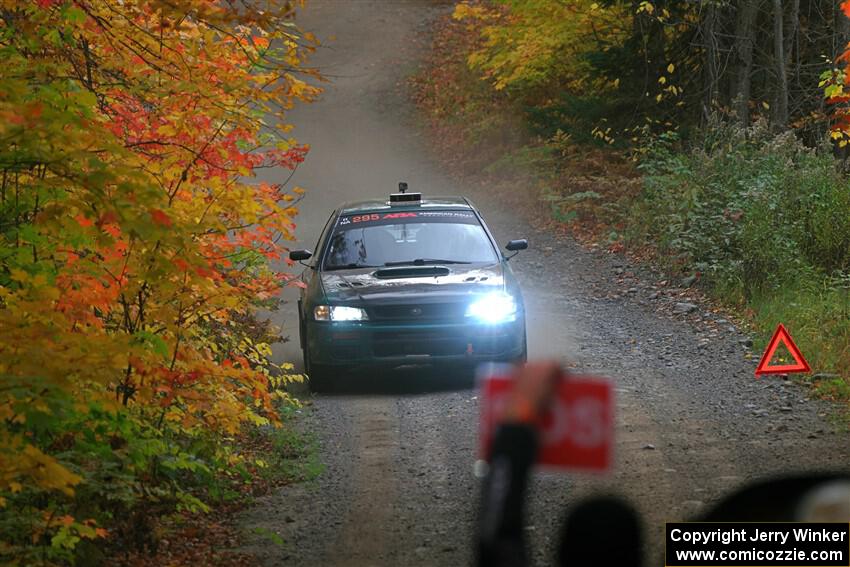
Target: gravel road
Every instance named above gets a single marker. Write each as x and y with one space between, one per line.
398 486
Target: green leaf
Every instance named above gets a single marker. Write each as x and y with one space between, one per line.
154 342
74 15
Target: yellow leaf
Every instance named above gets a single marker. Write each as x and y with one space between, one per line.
49 293
662 80
671 68
19 275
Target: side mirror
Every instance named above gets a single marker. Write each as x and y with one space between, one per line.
300 255
517 245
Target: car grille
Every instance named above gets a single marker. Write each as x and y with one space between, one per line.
435 343
429 312
419 343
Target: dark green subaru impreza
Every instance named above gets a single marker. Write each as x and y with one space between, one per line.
407 282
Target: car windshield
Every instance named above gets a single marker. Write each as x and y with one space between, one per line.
414 238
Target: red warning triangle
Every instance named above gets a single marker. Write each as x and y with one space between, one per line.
781 336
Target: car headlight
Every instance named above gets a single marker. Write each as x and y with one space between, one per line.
339 313
493 308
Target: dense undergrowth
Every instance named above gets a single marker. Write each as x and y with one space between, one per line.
755 218
270 457
764 223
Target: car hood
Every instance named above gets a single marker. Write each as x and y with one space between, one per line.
392 284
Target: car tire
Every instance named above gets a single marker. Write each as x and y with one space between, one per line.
522 358
319 377
468 376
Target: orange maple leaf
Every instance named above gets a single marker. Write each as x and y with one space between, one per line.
160 218
66 520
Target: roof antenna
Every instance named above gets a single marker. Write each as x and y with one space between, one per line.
402 186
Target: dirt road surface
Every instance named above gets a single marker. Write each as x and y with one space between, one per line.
398 486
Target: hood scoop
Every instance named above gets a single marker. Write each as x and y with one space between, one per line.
347 284
412 272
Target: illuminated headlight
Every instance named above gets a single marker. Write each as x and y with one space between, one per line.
339 313
493 308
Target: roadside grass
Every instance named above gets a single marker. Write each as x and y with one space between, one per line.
756 220
763 223
292 454
819 320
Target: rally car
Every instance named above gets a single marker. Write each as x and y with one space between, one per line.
407 281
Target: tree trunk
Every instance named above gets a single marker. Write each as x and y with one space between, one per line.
710 64
739 92
780 112
792 71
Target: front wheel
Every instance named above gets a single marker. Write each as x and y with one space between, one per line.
523 356
320 377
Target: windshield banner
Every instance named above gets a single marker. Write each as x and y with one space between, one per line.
407 216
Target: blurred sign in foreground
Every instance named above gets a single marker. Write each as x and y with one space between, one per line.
577 434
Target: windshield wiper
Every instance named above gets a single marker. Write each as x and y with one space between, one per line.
424 261
352 266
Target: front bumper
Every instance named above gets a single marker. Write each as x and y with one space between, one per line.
389 345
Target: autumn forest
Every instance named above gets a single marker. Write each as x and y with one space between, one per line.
139 246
